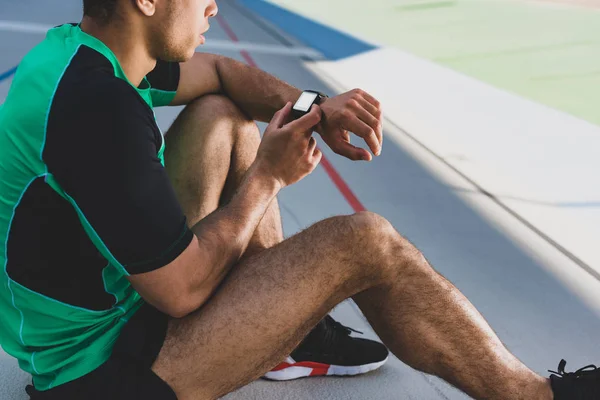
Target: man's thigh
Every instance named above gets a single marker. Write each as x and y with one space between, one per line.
262 310
206 145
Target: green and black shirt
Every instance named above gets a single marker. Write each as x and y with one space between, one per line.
84 202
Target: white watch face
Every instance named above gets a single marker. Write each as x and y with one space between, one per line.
305 101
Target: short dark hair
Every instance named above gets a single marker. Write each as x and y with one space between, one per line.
102 10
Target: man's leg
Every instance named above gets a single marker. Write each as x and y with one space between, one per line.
210 147
204 180
270 301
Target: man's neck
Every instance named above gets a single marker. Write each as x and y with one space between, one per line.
131 52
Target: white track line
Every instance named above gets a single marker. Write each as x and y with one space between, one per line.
261 48
211 44
23 27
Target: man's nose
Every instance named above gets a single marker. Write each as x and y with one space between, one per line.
212 10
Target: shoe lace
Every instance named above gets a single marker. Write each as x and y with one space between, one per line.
334 330
584 372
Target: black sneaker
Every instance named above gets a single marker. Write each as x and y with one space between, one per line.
583 384
330 350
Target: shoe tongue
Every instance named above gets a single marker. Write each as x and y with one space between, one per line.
325 327
326 333
330 324
323 333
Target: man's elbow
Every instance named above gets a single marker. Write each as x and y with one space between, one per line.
187 304
175 310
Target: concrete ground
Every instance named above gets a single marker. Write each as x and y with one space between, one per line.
504 268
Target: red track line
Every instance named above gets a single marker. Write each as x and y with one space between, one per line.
331 171
225 25
342 186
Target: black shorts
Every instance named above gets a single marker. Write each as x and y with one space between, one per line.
127 374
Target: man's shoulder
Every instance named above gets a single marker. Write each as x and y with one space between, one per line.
95 100
81 77
90 80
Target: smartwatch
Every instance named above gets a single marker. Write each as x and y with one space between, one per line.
306 101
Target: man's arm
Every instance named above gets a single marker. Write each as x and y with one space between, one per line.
220 239
286 154
260 95
257 93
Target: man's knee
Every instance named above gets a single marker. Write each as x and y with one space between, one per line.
214 105
218 109
378 241
372 230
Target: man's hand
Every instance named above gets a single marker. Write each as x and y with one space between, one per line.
288 152
355 111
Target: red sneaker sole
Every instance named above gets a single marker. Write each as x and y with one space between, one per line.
289 370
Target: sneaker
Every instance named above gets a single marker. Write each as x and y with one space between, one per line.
330 350
583 384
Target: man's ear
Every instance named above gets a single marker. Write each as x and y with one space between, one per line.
147 7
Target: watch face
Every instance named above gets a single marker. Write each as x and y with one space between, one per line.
305 101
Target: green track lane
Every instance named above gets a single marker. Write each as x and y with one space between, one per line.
546 52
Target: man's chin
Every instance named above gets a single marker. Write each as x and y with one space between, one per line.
191 54
188 54
178 57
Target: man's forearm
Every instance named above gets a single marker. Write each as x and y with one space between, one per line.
224 235
256 92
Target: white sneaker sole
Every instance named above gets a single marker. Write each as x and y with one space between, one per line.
296 370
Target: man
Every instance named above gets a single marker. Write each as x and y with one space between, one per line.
127 279
328 349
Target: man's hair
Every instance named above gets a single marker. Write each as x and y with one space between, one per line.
102 10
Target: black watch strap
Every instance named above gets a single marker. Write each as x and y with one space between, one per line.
322 96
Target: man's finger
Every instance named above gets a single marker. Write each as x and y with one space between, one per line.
363 130
281 116
317 156
372 121
350 151
312 145
374 111
307 122
371 109
316 151
371 99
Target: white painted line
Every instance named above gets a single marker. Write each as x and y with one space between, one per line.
23 27
261 48
211 44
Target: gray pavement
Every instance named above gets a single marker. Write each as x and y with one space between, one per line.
502 267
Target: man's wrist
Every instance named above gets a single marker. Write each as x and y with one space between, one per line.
260 176
320 126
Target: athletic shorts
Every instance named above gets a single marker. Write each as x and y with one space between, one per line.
127 374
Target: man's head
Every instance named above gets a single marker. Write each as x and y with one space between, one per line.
172 29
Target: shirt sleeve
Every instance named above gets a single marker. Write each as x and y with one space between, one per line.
101 148
164 81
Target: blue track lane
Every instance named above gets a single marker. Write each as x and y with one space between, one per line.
332 43
8 74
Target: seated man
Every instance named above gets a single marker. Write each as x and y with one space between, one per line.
135 269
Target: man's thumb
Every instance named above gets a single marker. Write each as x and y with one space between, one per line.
281 116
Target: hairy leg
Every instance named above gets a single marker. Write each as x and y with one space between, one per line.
264 308
209 148
256 316
271 299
